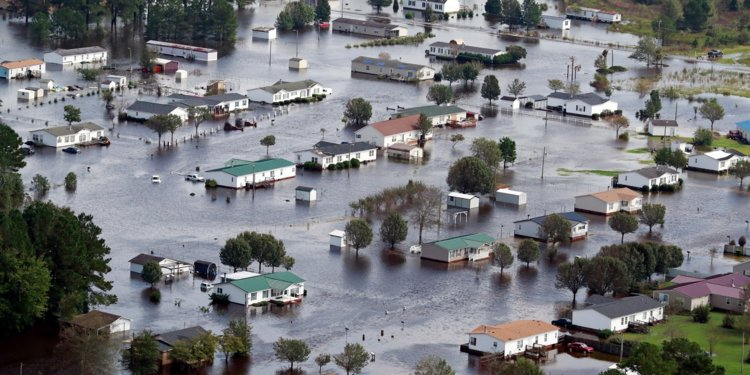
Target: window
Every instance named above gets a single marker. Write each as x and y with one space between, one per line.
253 296
372 153
338 158
545 337
265 294
472 341
220 291
356 156
519 345
729 301
494 343
394 139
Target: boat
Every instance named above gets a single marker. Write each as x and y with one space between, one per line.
156 179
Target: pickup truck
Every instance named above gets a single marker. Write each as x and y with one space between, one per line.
194 177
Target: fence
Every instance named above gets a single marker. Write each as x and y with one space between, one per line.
602 346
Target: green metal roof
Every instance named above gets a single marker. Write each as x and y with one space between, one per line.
238 167
466 241
285 276
252 284
277 280
278 284
432 110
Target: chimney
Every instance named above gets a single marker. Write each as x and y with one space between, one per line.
733 286
485 329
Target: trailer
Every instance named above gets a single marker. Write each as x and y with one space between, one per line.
508 196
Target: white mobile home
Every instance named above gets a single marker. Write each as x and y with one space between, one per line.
327 153
370 28
592 14
616 315
555 22
283 91
63 136
437 6
218 105
24 94
715 161
529 228
610 201
512 338
508 196
22 68
263 288
305 193
455 47
468 201
662 128
183 50
142 111
392 69
386 133
582 104
83 55
472 247
238 174
438 114
649 177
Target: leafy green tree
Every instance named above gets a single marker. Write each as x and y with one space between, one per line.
151 273
555 85
68 23
428 13
555 228
40 185
353 359
623 223
451 72
264 249
276 255
741 170
512 14
490 88
455 138
295 16
619 122
268 141
507 151
323 11
195 352
395 6
494 8
424 124
528 251
667 256
696 14
487 151
521 366
12 191
612 371
394 229
86 351
161 124
147 60
358 111
40 26
689 357
646 359
605 274
433 365
142 357
652 214
703 137
426 209
224 21
108 96
291 350
71 181
470 174
324 358
516 53
647 50
532 13
287 262
572 276
198 115
653 104
236 253
379 4
712 111
358 234
470 71
72 114
228 344
666 156
440 94
11 155
501 256
665 28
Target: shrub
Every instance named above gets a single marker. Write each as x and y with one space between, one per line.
331 167
409 15
211 183
624 136
219 299
260 304
728 321
654 187
345 164
644 188
155 296
617 68
703 137
71 181
742 241
701 314
339 165
606 113
354 163
618 112
604 333
438 77
595 116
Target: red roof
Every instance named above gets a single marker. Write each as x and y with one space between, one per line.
397 125
726 285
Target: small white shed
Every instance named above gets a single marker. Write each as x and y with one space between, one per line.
24 94
337 238
46 84
510 196
297 63
264 32
38 92
180 75
305 193
460 200
120 81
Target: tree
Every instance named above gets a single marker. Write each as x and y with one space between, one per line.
358 234
428 13
646 359
689 357
142 357
358 111
288 263
291 350
108 96
12 191
703 137
379 4
426 209
395 10
295 16
236 253
470 71
11 155
324 358
72 114
741 170
531 12
521 366
647 50
612 371
601 61
494 8
223 20
455 138
501 256
606 274
241 333
268 141
68 23
161 124
424 124
394 229
86 351
40 27
198 115
555 84
440 94
512 13
555 228
653 104
195 352
264 249
528 251
487 151
652 214
507 151
151 273
619 122
696 14
323 11
40 185
148 59
623 223
573 88
666 156
353 359
712 111
451 72
470 174
491 88
433 365
667 256
572 276
517 87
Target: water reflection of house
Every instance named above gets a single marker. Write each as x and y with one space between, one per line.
511 338
471 247
248 288
168 266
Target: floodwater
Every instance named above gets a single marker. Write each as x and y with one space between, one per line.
422 307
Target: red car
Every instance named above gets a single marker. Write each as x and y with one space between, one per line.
580 347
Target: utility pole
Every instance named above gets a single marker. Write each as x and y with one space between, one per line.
544 154
546 115
296 44
270 44
349 158
253 180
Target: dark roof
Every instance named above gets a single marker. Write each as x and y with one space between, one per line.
151 107
194 100
596 299
352 21
464 48
626 306
304 188
94 319
663 123
655 171
570 216
588 98
330 148
508 98
282 85
167 340
537 98
560 95
79 51
145 258
734 152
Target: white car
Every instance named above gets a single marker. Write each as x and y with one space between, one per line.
156 179
194 177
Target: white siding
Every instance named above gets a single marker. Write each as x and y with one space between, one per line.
486 343
236 295
637 181
238 182
450 6
47 139
592 319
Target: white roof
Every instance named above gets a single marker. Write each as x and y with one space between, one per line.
511 192
337 233
718 154
456 194
240 275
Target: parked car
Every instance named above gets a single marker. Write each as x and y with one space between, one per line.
194 177
562 322
715 54
205 285
156 179
71 150
580 347
28 150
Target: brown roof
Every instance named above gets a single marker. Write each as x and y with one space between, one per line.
615 195
401 147
21 63
397 125
516 330
142 259
94 319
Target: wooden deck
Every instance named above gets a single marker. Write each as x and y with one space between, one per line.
285 300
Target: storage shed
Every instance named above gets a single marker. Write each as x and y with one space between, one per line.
404 151
205 269
180 74
337 238
38 92
305 193
264 32
24 94
165 66
510 196
460 200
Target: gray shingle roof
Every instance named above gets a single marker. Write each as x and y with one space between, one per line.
194 100
304 188
151 107
588 98
79 51
167 340
663 122
60 131
626 306
289 86
330 148
656 171
573 217
469 49
142 259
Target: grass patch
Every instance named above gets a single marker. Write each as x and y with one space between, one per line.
641 150
600 172
646 162
727 350
718 142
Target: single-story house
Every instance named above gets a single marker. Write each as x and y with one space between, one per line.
63 136
743 127
370 28
580 104
459 200
529 228
455 47
534 101
555 22
283 91
517 198
168 266
142 110
512 337
470 247
439 115
183 50
510 102
121 81
610 201
592 14
101 322
264 32
108 85
662 127
386 133
262 288
22 68
165 66
404 151
326 153
722 291
305 193
649 177
167 340
715 161
238 174
93 54
616 315
46 84
392 69
437 6
218 105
